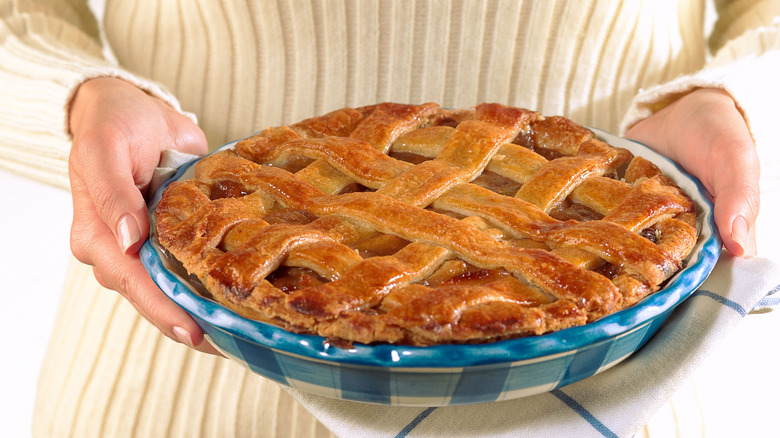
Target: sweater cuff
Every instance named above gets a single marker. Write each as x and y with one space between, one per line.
750 81
36 140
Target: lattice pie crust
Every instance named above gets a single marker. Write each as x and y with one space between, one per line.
419 225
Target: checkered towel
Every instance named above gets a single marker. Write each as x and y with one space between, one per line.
615 403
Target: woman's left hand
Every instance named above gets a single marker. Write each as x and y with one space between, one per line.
705 133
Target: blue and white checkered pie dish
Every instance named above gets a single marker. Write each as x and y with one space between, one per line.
452 374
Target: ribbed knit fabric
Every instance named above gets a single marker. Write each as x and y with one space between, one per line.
240 66
110 373
47 49
266 63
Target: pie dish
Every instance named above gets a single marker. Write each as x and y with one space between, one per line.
443 374
417 225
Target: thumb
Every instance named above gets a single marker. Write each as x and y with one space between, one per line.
734 181
187 136
736 209
735 190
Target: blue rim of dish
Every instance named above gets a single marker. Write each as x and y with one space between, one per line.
677 289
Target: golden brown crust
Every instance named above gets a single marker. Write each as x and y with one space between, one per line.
500 223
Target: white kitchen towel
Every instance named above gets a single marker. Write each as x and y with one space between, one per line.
615 403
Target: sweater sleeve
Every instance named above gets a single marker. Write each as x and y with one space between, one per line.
48 48
746 44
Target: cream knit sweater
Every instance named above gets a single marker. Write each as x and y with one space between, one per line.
240 66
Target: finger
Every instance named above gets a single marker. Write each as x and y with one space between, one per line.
206 347
179 332
734 184
737 205
107 173
187 136
126 274
89 237
86 222
182 135
93 243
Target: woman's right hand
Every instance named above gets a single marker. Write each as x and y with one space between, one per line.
119 132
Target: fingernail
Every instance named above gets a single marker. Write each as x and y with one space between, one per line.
739 231
183 336
127 232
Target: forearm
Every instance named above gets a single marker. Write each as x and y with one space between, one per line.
47 50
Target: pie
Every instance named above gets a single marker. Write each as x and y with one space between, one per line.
419 225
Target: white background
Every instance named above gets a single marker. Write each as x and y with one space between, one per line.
34 252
